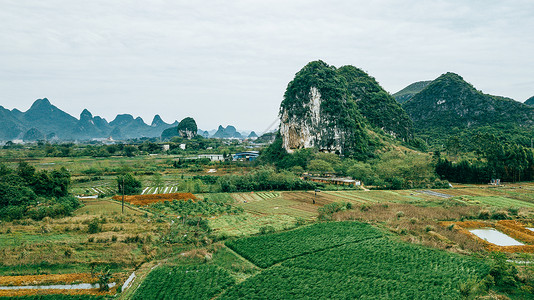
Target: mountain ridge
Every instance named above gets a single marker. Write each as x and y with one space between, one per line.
43 119
450 102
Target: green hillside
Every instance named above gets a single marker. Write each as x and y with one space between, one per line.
449 105
408 92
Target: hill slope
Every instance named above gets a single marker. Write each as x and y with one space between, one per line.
335 110
530 101
408 92
450 102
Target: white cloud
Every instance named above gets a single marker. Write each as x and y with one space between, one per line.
229 62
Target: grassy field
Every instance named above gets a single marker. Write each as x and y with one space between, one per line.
56 245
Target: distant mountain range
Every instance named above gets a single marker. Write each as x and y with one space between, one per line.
45 121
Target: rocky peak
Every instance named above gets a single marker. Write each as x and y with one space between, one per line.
187 128
121 119
317 111
157 121
86 115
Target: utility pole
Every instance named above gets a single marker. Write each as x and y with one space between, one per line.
123 195
315 197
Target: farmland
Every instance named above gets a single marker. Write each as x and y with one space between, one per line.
265 251
263 244
189 282
374 268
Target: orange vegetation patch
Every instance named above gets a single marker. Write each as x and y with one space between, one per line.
46 279
19 293
512 228
155 198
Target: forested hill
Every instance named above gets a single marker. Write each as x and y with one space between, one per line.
408 92
335 109
450 103
530 101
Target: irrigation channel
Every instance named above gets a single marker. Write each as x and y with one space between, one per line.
79 286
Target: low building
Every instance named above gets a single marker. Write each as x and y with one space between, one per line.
212 157
246 156
334 180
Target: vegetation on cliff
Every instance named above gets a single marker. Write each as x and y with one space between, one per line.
450 105
335 110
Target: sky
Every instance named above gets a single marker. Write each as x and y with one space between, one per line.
229 62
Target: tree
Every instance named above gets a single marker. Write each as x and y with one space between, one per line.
157 180
130 150
131 185
321 166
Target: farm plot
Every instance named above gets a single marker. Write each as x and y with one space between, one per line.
266 250
499 201
270 204
65 246
150 190
155 198
370 269
95 190
248 224
184 282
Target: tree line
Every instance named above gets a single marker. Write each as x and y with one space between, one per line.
25 192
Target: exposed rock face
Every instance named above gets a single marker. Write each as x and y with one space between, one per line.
187 128
298 133
334 110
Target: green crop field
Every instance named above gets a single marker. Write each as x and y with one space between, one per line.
271 204
370 269
184 282
501 201
249 224
267 250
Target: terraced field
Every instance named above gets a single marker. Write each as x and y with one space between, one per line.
272 203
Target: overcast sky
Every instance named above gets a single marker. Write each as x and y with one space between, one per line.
229 62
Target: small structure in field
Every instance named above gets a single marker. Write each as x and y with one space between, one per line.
246 156
334 180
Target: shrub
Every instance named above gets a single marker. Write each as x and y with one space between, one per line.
500 215
267 229
94 226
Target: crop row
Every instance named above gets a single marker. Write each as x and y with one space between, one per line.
155 198
159 190
267 250
184 282
502 201
266 196
371 269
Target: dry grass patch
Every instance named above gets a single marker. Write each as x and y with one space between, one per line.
417 224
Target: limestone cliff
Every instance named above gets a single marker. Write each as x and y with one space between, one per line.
335 110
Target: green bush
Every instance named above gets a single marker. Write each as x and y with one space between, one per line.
94 226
